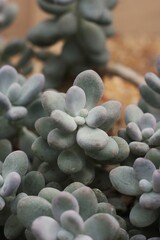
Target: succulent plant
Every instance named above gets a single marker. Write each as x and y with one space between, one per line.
141 180
18 100
74 135
12 170
56 215
142 133
142 237
84 26
150 93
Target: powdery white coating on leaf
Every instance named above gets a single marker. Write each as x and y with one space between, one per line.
75 100
124 180
153 81
132 113
91 139
52 100
156 181
87 201
72 222
147 121
133 131
31 207
45 228
63 121
96 117
92 85
102 226
155 139
64 201
61 140
143 169
150 200
16 161
150 96
8 75
142 217
11 184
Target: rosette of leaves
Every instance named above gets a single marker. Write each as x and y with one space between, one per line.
141 180
150 93
74 135
20 105
12 170
142 133
83 25
78 212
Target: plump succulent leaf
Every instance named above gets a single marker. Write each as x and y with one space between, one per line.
124 180
132 113
16 161
31 207
101 226
148 216
92 85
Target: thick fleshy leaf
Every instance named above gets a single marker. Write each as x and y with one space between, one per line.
150 96
53 8
75 100
14 92
5 148
45 228
35 111
8 75
44 125
150 200
83 237
143 169
64 201
11 184
61 140
147 133
113 109
147 121
50 31
96 117
73 186
72 222
31 207
133 113
49 193
156 181
91 139
16 161
124 180
153 81
16 113
108 153
5 104
42 150
139 149
70 161
30 89
94 11
123 150
142 217
92 85
134 132
155 139
102 226
86 175
13 227
87 202
63 121
2 203
33 182
6 130
52 100
92 40
153 155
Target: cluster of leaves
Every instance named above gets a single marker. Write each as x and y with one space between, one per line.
49 191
